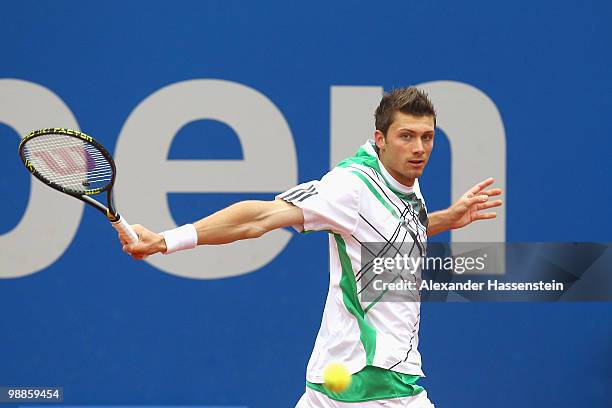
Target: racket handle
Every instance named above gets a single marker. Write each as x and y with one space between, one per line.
125 230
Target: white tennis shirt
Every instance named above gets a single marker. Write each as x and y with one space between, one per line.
357 202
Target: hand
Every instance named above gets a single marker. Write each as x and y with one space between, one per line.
149 243
467 209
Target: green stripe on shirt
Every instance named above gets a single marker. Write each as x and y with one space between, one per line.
348 285
373 383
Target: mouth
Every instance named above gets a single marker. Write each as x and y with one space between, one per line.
417 163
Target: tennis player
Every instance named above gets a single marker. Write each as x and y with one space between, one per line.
373 196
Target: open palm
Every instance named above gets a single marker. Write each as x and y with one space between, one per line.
468 208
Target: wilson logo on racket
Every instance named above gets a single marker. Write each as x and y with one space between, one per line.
70 160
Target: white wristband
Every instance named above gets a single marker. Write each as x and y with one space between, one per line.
178 239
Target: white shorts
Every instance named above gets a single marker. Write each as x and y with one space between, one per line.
315 399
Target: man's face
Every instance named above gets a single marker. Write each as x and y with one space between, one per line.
406 149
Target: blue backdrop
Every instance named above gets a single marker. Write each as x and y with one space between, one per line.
115 331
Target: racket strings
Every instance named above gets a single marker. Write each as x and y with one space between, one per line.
69 162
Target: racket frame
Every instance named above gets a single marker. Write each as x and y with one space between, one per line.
109 211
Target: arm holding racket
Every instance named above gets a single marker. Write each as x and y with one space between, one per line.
243 220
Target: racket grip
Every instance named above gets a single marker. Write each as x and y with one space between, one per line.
125 230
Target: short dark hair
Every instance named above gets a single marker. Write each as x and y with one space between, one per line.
409 100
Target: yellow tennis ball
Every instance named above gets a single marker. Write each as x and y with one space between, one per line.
336 377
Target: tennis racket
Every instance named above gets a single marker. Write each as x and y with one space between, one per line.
75 164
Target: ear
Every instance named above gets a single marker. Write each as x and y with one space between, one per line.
379 139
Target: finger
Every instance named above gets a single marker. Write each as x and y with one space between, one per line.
484 216
480 186
129 249
476 200
133 247
488 204
493 192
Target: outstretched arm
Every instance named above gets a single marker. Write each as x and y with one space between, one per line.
466 210
243 220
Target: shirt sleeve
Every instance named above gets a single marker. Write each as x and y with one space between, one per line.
329 204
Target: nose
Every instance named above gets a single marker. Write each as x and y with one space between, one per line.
417 147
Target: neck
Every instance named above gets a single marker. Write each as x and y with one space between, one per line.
408 182
394 177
